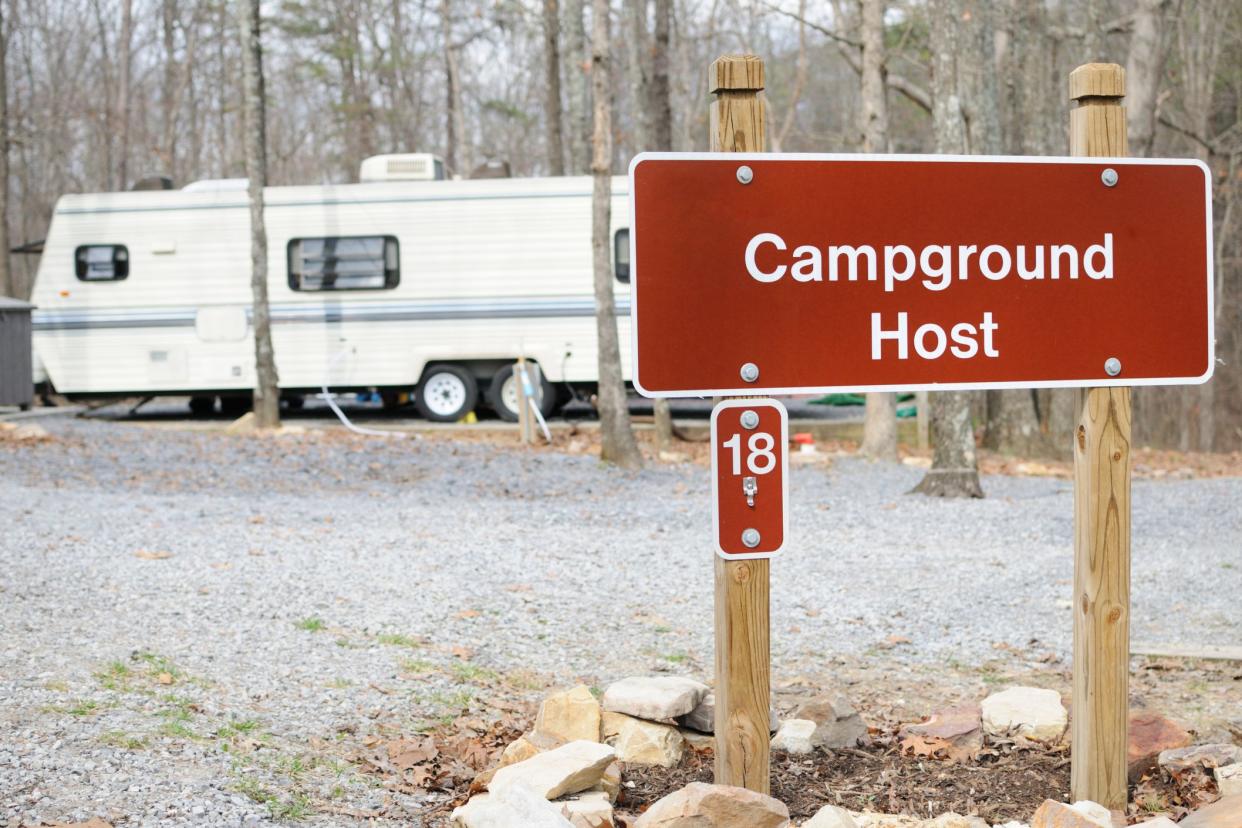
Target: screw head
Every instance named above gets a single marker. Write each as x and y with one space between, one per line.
750 538
1109 177
1112 366
745 174
750 419
750 372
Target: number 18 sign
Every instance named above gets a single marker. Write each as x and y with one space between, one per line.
750 481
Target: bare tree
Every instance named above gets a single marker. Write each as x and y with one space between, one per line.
577 94
955 469
659 106
266 391
552 92
456 155
880 422
123 91
616 435
1144 66
6 277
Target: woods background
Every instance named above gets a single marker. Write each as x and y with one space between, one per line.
101 93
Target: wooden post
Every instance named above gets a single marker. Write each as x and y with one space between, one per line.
743 655
922 402
1101 510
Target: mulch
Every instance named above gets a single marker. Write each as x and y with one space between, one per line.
1004 783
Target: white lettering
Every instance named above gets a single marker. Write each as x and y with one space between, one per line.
1064 251
878 335
965 345
988 327
943 272
1105 250
989 272
808 264
891 274
920 338
963 259
835 252
753 269
1035 273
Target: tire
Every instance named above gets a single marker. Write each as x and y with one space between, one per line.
446 394
502 395
294 402
236 406
202 406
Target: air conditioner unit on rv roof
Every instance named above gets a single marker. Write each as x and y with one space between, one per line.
413 166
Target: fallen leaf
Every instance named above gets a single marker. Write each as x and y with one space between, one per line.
152 554
469 614
464 653
164 678
222 565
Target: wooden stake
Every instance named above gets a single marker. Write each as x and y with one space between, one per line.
743 653
1101 510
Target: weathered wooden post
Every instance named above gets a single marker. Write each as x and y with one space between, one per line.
743 653
1101 510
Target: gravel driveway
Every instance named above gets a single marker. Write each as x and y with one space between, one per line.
199 628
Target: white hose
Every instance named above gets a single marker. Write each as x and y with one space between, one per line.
529 389
328 398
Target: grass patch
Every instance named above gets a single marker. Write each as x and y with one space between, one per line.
416 665
464 671
311 624
676 658
119 739
398 640
297 808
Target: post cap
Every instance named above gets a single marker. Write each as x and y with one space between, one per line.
1097 80
736 73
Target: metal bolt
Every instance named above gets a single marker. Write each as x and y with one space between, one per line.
1109 177
750 538
745 174
750 372
1112 366
749 419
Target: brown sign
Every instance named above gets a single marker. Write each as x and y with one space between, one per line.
798 273
750 482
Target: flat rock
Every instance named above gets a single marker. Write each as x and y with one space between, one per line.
1199 756
1229 779
654 698
1052 814
569 715
794 736
837 723
698 741
1150 735
831 816
867 819
564 770
1158 822
592 809
703 717
1031 712
1225 812
952 820
700 805
640 742
516 806
610 782
528 745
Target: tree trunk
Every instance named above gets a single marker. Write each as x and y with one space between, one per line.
617 444
577 93
660 108
880 422
636 73
552 83
266 392
1144 65
6 278
1013 424
955 467
123 90
456 155
168 93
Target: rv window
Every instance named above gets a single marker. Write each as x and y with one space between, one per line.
101 262
344 263
621 254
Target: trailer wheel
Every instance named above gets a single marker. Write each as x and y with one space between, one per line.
502 395
446 394
202 406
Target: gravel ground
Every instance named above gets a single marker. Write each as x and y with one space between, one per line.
198 629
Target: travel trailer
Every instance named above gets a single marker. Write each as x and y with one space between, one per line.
407 283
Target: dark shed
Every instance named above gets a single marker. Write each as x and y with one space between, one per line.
16 376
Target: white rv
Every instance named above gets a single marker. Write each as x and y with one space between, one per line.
431 287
